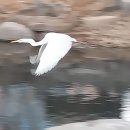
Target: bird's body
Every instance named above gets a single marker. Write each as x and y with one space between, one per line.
57 47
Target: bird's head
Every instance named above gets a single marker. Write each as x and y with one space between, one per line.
73 40
23 41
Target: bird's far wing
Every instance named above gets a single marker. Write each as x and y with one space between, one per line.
36 59
52 54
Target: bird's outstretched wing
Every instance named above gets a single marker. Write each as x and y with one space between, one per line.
54 51
36 59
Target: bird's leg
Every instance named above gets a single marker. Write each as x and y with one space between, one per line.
33 59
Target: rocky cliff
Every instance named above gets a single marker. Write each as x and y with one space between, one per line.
98 23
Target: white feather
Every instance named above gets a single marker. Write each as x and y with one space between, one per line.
35 59
57 47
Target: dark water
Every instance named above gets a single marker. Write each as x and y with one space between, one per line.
72 92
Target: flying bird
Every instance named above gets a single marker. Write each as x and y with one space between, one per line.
57 46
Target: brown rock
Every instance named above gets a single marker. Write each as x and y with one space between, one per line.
98 21
44 8
125 4
47 23
32 7
12 6
54 7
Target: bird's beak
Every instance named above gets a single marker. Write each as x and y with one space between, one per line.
79 42
14 41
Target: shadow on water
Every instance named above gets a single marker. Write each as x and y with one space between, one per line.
73 91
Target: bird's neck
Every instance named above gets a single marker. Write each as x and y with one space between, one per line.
42 42
33 43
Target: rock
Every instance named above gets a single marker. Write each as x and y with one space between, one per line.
40 8
117 2
44 8
91 7
53 7
13 31
7 6
52 26
98 21
125 5
47 23
32 7
102 124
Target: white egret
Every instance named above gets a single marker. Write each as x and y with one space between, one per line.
57 47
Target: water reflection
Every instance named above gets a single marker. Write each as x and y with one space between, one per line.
21 109
81 103
66 94
125 114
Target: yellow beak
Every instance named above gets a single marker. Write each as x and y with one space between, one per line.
14 41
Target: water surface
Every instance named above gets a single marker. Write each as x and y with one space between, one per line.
76 90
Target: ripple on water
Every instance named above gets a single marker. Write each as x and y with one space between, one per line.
70 98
